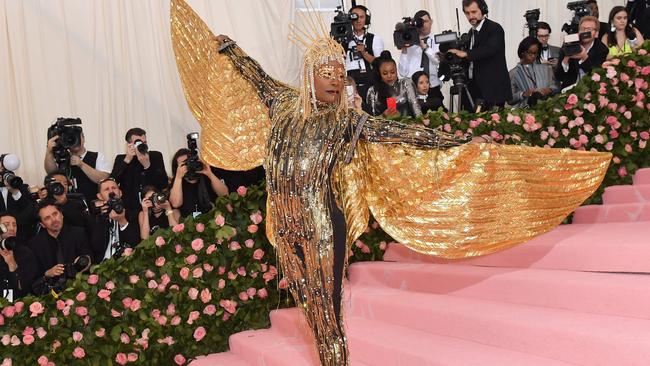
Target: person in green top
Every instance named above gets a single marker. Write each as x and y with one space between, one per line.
621 37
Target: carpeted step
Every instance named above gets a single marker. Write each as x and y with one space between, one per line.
220 359
613 247
588 292
568 336
642 176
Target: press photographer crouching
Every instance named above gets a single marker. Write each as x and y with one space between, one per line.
157 212
195 186
72 205
114 227
17 269
66 153
60 250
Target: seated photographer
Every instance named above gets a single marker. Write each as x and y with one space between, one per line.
422 56
621 38
15 197
114 227
72 205
593 54
84 169
194 188
157 212
531 81
390 96
549 54
362 50
429 99
138 168
60 250
17 266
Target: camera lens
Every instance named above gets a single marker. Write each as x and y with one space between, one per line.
8 243
56 189
141 146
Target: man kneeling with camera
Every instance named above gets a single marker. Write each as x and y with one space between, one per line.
114 227
61 251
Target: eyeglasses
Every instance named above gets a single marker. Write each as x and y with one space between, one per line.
587 29
533 53
543 35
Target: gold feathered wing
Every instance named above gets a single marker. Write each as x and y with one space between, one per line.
475 199
234 121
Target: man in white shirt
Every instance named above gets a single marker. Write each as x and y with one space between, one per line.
362 50
422 56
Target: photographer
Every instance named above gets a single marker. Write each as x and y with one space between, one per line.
15 196
488 72
17 268
531 81
157 212
193 191
84 168
138 168
422 56
362 50
114 227
57 249
56 187
593 54
549 54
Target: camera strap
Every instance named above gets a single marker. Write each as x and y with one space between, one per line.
528 75
424 63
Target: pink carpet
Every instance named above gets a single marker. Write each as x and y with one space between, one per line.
579 295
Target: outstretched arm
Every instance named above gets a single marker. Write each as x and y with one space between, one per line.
267 87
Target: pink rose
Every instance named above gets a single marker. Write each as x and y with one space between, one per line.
249 243
222 284
193 293
645 71
563 120
42 361
622 172
109 285
627 115
178 228
77 336
135 305
167 340
194 315
243 296
219 220
474 123
208 267
228 305
160 261
241 271
132 357
115 313
222 270
100 332
200 227
625 77
10 311
234 246
210 309
642 144
127 252
600 139
178 248
258 254
41 332
36 309
124 338
191 259
162 320
206 296
241 191
283 284
199 333
81 311
613 134
93 279
152 284
543 135
165 279
382 246
628 148
251 291
6 340
252 229
149 274
197 244
81 296
28 339
256 218
211 249
609 146
583 139
184 273
197 272
79 352
595 77
171 309
572 99
262 293
160 241
588 128
121 358
176 320
645 135
179 359
104 294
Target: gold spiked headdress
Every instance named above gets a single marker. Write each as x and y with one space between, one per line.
319 49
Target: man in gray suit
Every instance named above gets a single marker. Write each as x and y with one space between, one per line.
549 53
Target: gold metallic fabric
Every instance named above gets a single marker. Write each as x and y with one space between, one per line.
477 199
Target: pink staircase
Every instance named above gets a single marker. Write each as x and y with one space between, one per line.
579 295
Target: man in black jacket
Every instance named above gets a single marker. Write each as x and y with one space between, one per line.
488 71
56 186
138 168
113 229
57 245
17 264
593 54
15 199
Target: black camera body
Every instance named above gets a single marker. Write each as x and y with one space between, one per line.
341 28
10 180
580 9
194 165
69 133
159 198
571 45
141 146
46 285
452 67
7 243
114 204
407 32
532 21
54 188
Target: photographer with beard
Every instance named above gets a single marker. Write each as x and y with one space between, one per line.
72 205
193 194
362 50
57 248
114 227
157 212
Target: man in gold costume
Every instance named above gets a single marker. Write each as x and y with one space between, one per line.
326 165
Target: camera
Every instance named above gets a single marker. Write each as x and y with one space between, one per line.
46 285
7 243
407 32
580 9
54 188
194 165
141 146
532 21
114 204
451 66
341 28
572 45
11 180
159 198
69 133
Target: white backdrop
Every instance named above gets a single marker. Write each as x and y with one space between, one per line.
110 62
